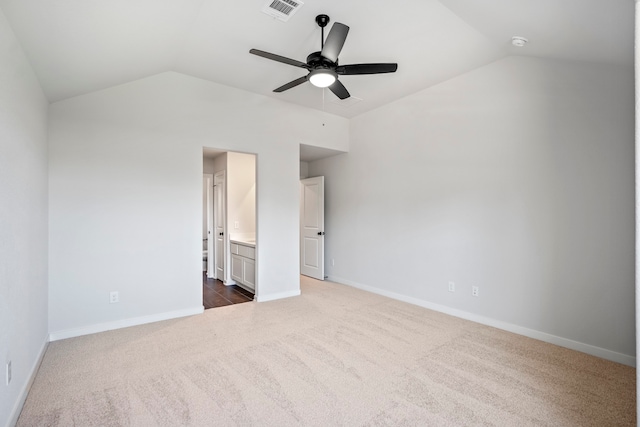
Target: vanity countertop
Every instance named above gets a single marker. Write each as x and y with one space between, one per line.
244 241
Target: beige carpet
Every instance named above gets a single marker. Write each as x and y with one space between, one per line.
333 356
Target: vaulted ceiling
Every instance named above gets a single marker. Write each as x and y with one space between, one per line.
80 46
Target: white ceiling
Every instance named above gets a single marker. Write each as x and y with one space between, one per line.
79 46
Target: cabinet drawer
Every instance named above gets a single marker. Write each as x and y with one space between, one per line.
234 248
247 252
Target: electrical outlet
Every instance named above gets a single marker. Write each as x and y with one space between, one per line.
114 297
8 375
333 262
452 287
475 291
236 225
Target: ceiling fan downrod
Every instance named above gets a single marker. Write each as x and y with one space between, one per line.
322 21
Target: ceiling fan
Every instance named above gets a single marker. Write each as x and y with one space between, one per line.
323 66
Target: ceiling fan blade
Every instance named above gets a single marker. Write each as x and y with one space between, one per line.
335 41
279 58
291 84
366 69
339 90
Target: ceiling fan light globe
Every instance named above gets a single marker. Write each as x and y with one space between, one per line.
322 78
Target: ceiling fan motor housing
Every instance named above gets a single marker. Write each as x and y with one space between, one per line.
317 61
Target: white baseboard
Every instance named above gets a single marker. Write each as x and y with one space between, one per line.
124 323
22 397
520 330
280 295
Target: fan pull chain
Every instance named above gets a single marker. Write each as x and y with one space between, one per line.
323 91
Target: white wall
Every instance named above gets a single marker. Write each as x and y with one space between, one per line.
220 163
208 165
517 178
125 195
241 194
23 223
304 170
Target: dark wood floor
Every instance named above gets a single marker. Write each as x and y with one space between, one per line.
216 294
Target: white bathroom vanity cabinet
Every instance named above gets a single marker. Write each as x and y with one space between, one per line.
243 264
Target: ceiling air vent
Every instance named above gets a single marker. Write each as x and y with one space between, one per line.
281 9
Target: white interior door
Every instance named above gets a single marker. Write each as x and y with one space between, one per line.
312 227
219 191
210 242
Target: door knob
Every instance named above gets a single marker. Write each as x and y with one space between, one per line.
320 233
222 234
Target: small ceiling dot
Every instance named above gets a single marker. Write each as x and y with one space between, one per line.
519 41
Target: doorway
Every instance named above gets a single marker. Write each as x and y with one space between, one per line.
230 277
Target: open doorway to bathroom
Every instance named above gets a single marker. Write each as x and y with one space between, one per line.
228 228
